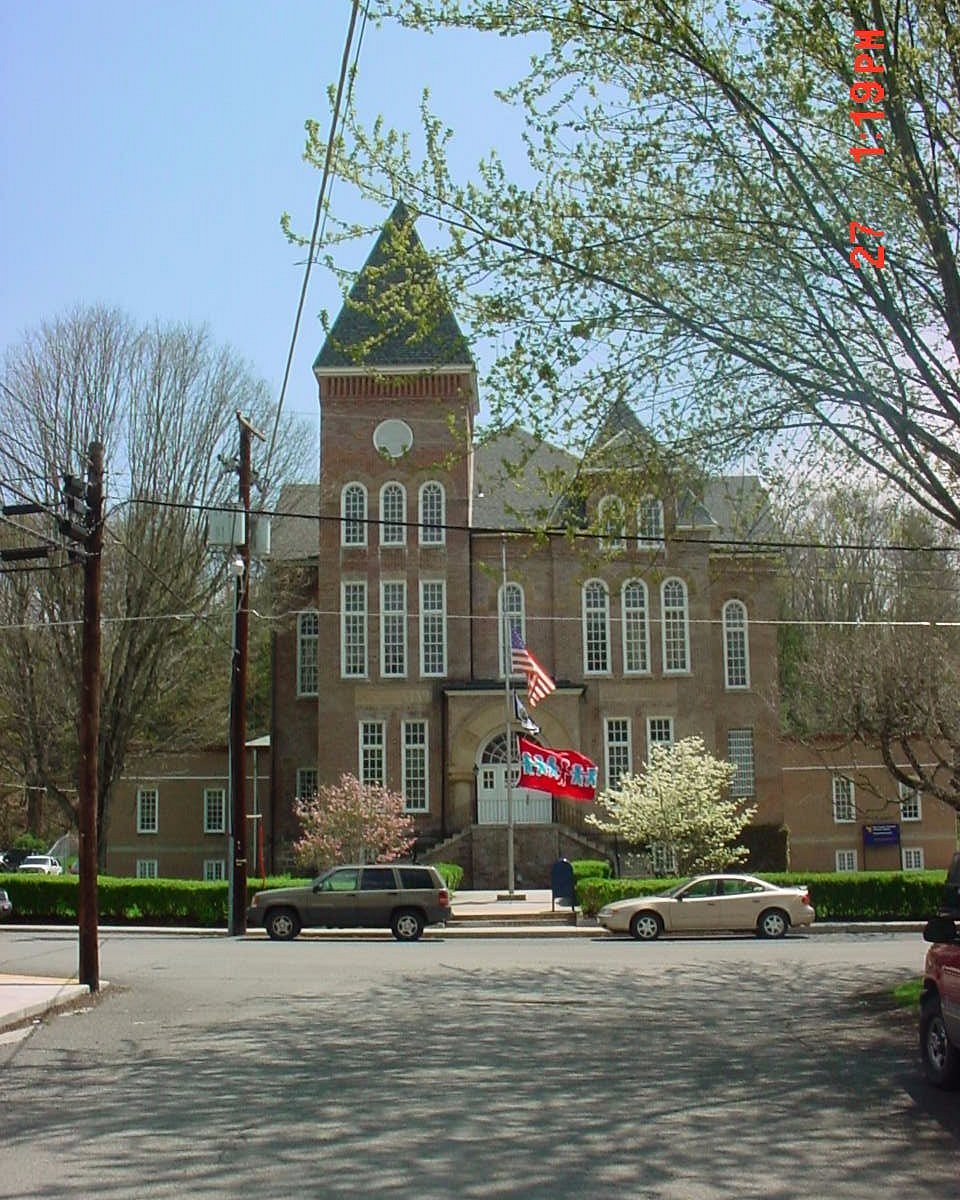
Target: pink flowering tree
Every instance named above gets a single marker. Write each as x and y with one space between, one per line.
350 821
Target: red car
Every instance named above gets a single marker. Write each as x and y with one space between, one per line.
940 998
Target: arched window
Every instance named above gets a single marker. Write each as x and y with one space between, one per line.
510 616
636 627
676 627
432 514
650 523
353 513
393 515
596 628
736 650
612 524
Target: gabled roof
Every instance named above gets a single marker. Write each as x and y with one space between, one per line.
396 314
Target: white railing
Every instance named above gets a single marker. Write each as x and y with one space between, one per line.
529 808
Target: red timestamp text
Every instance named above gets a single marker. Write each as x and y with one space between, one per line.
867 44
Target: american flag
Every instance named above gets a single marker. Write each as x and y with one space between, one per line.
539 683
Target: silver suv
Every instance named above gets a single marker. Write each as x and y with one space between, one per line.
399 897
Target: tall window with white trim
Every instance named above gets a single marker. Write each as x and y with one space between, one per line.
659 732
911 858
146 868
393 628
353 515
736 654
433 627
910 809
636 628
618 752
373 757
596 628
510 603
214 810
308 654
148 810
393 515
214 870
844 808
612 523
308 782
740 753
432 514
353 629
415 775
676 627
650 524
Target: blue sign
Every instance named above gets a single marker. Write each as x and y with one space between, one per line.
887 833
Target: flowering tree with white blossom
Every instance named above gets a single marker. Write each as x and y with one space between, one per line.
681 801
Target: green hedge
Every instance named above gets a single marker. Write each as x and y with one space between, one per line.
591 868
121 899
843 896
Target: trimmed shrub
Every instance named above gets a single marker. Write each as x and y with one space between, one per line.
591 868
840 896
451 874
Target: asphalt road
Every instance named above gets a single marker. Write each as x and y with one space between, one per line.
701 1069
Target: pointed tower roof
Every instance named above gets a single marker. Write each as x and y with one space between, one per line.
396 314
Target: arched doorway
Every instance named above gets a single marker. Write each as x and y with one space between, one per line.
530 807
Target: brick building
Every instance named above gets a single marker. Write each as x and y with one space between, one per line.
416 553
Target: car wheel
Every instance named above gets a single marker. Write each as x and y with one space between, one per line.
773 923
282 924
941 1059
406 925
646 926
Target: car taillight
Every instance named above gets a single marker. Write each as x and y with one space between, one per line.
444 897
805 896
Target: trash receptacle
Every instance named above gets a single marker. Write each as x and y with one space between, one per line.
561 883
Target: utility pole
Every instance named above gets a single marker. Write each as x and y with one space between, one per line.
84 527
237 916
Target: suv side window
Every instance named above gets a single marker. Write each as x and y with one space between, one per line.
340 881
377 879
417 877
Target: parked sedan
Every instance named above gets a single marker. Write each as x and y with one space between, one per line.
711 902
40 864
6 905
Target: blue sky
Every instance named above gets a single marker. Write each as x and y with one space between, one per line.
147 150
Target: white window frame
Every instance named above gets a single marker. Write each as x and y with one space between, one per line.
845 860
911 808
635 627
511 614
393 524
432 513
658 724
911 858
147 868
617 749
354 617
308 782
844 800
433 628
353 515
741 752
211 795
372 753
596 627
393 628
415 765
650 531
146 826
612 533
214 870
308 653
663 859
736 646
675 625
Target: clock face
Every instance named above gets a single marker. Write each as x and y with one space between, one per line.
393 438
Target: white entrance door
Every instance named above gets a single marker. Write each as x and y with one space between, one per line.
529 807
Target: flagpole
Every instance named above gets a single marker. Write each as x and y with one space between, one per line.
507 672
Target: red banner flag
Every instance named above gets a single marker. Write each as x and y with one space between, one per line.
560 772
